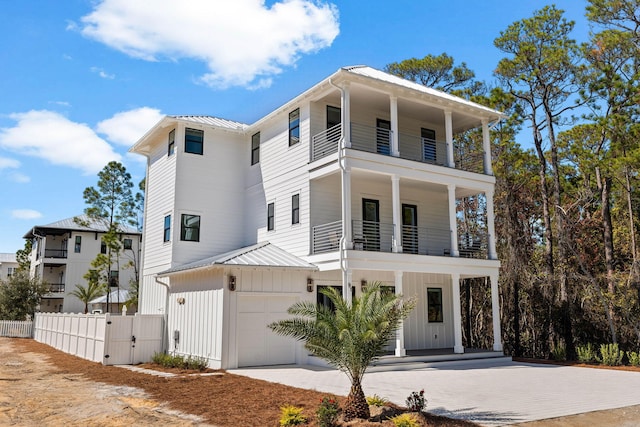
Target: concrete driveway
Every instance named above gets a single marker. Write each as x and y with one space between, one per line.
487 392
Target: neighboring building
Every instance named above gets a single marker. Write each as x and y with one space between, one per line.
8 266
62 253
356 180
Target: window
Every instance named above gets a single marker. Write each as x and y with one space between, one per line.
334 116
295 209
103 247
324 300
193 141
270 216
428 144
172 143
114 278
128 244
434 302
190 228
255 148
10 271
78 245
294 127
167 228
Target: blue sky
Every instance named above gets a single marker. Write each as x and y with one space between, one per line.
80 84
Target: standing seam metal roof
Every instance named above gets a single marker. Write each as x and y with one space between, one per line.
213 121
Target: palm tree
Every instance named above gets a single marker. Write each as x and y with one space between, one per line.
92 291
349 337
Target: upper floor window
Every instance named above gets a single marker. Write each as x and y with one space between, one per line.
78 246
294 127
434 303
103 247
167 228
10 271
334 116
295 209
127 243
255 148
271 216
172 143
190 228
193 141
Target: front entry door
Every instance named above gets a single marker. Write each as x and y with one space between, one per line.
409 229
371 224
383 137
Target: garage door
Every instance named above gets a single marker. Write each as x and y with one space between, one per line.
257 344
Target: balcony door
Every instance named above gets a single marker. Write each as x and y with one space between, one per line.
383 137
371 224
428 138
409 229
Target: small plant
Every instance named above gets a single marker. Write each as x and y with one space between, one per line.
610 355
586 353
291 416
178 361
634 358
405 420
559 352
376 400
328 412
416 401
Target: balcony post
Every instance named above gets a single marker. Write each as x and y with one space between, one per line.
345 104
397 216
486 146
393 107
448 131
346 209
491 229
457 316
453 221
495 313
400 350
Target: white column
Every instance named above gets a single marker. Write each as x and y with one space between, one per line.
393 108
346 209
400 350
486 146
345 114
397 215
495 313
453 222
448 131
491 229
346 285
457 317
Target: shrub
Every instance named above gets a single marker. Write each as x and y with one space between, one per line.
376 400
610 355
634 358
559 352
178 361
291 416
327 413
405 420
586 353
416 401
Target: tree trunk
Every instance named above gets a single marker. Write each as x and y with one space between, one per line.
356 404
604 188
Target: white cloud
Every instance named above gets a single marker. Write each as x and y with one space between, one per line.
25 214
20 178
125 128
53 137
102 73
242 42
6 163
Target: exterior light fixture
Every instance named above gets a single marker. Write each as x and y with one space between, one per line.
232 283
309 284
363 285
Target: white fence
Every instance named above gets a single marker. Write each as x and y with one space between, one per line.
16 329
110 340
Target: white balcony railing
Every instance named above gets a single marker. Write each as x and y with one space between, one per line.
326 142
326 237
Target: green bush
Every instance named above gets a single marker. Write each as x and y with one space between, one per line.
291 416
610 355
559 352
178 361
328 412
405 420
634 358
376 400
586 353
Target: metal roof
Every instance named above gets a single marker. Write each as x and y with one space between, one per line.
68 224
120 295
259 255
213 121
8 258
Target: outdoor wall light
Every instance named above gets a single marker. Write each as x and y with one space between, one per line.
180 300
363 285
309 284
232 283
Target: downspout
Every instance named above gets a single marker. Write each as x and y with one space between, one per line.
165 335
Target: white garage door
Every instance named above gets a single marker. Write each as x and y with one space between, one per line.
257 344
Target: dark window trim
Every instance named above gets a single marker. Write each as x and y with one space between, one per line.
195 145
167 228
295 209
255 148
294 127
271 213
437 306
189 233
171 148
129 245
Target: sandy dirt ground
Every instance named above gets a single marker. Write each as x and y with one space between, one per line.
33 393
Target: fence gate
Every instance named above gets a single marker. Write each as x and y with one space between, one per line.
132 339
